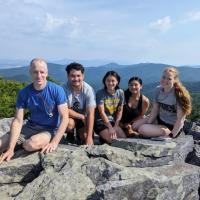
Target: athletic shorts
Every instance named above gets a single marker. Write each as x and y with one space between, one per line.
29 129
100 126
79 124
161 122
170 127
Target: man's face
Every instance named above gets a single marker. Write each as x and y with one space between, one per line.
39 74
75 77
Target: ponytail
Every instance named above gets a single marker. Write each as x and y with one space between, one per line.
183 97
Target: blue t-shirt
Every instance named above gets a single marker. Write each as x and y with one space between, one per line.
42 104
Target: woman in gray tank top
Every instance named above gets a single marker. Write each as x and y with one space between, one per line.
171 105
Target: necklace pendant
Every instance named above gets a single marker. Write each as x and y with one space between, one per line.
50 114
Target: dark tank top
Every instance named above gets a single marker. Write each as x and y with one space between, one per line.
129 113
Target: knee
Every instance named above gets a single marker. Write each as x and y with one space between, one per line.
141 129
32 145
71 124
106 137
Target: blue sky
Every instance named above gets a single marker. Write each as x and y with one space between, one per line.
127 32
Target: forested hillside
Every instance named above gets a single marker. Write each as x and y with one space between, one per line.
9 90
149 72
8 93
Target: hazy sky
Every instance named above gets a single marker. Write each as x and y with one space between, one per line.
125 31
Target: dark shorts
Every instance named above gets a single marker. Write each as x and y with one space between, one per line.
169 126
79 124
29 129
100 126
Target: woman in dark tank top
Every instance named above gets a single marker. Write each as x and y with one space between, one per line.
135 107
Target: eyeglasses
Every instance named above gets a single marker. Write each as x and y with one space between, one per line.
76 106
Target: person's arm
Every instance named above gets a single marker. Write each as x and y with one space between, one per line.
118 115
155 109
90 125
75 115
106 121
179 122
15 130
154 113
145 106
64 118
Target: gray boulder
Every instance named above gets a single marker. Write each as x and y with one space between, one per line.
5 125
129 169
14 175
172 182
151 153
95 172
193 129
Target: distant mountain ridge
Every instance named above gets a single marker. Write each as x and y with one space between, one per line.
149 72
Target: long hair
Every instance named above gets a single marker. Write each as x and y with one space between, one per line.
182 94
127 92
111 73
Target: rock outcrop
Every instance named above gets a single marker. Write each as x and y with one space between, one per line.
128 169
194 130
5 125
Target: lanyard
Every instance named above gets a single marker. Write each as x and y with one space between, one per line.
48 109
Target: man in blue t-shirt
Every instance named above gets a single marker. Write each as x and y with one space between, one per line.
81 103
47 105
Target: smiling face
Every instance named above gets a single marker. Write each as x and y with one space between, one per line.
134 87
39 73
75 77
167 79
111 83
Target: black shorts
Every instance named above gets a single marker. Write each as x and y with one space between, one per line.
79 124
170 127
100 126
161 122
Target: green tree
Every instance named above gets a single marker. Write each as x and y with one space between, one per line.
8 94
195 115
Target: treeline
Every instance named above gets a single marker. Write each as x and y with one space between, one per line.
8 93
9 90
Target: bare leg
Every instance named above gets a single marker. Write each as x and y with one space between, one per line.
120 132
37 142
152 130
82 134
70 131
106 135
4 142
138 123
71 125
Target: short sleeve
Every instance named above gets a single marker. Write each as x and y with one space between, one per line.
121 93
90 98
156 93
21 102
61 96
100 97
